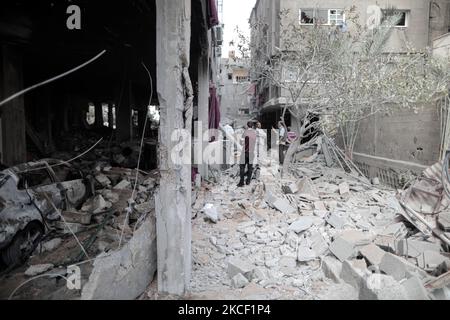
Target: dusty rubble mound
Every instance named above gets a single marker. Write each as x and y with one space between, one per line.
320 234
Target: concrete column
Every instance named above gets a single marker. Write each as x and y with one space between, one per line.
123 115
173 200
12 114
203 104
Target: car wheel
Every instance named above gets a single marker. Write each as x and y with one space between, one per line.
23 244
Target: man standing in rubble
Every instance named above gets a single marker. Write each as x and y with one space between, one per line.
248 155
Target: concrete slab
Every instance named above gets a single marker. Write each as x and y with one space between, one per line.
415 289
332 268
242 266
373 254
302 224
382 287
342 249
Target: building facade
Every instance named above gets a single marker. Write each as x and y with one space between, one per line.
405 140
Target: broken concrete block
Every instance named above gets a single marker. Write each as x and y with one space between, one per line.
344 188
306 186
376 181
318 243
444 221
336 221
415 289
357 238
354 272
320 206
398 230
236 266
289 262
387 243
103 180
394 266
430 260
38 269
259 274
211 212
77 217
283 206
332 268
382 287
111 196
51 245
302 224
342 249
122 185
414 248
290 189
239 281
341 292
305 254
145 207
125 274
372 253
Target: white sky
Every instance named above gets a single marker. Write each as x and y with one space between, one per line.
235 13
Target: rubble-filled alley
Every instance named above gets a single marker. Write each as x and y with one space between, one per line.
321 235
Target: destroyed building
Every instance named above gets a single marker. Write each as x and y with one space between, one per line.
103 90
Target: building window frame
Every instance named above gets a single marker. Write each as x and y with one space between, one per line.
407 14
332 18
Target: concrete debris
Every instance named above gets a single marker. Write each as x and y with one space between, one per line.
382 287
290 189
77 217
306 187
283 206
344 188
336 221
38 269
414 248
430 260
444 221
332 268
103 180
240 266
239 281
51 245
122 185
342 249
415 289
373 254
302 224
211 212
354 272
305 254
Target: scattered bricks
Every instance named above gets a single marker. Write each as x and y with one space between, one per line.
236 266
335 221
430 260
332 268
344 188
354 272
77 217
382 287
239 281
414 248
305 254
283 206
444 221
415 289
38 269
290 189
122 185
342 249
373 254
302 224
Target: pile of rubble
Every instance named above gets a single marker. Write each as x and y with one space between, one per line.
321 235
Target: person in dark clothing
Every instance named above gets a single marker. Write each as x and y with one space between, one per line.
247 155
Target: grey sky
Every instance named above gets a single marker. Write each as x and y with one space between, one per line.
235 13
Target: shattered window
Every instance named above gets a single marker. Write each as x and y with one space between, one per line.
35 178
336 17
401 13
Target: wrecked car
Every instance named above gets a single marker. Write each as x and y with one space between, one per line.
30 196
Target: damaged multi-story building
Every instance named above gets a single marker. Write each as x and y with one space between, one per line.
404 141
80 71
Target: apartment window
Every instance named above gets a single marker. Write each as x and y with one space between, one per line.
240 79
402 23
322 16
307 16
